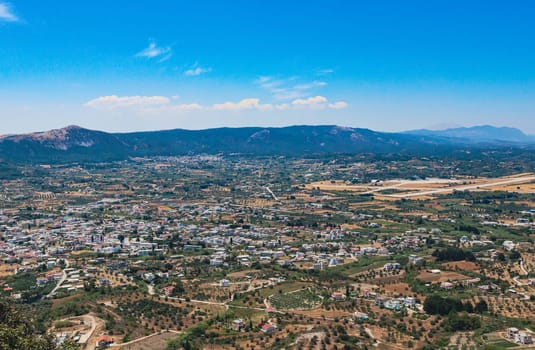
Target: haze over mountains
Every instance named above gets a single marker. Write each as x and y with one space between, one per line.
482 133
74 143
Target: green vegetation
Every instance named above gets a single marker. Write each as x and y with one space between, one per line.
461 322
18 333
453 254
63 324
300 299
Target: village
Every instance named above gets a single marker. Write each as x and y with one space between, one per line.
222 256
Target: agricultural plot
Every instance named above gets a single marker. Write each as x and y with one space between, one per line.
299 299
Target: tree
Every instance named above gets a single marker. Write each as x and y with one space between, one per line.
453 254
18 333
481 307
437 305
461 322
515 255
468 307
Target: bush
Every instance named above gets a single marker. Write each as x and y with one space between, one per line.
437 305
461 322
63 324
453 254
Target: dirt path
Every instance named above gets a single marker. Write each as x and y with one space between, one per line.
144 338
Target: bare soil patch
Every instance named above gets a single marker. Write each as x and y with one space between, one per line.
461 265
443 276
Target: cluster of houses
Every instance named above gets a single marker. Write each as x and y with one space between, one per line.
518 336
265 327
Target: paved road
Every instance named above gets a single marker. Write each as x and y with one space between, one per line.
271 193
60 282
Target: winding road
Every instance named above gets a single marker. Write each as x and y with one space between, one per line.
60 282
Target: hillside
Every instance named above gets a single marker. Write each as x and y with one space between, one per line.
74 143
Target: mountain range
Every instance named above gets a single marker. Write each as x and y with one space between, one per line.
482 133
74 143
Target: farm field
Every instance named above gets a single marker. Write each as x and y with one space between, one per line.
523 183
305 298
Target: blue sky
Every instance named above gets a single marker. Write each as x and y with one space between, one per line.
385 65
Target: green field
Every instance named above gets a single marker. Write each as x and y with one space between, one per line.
299 299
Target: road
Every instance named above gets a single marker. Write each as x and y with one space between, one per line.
85 338
272 194
145 337
60 282
87 319
522 268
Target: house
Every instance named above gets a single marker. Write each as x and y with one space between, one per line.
333 262
512 332
391 266
319 265
522 221
238 324
41 281
447 285
268 328
416 260
149 277
337 296
380 301
409 302
360 316
224 283
104 282
192 247
104 341
216 262
523 338
508 245
393 305
168 290
472 281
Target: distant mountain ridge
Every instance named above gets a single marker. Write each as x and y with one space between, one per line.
74 143
482 133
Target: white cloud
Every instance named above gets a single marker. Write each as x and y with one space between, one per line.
6 14
326 71
338 105
114 101
245 104
187 107
153 51
262 79
287 89
196 70
316 102
162 104
311 85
